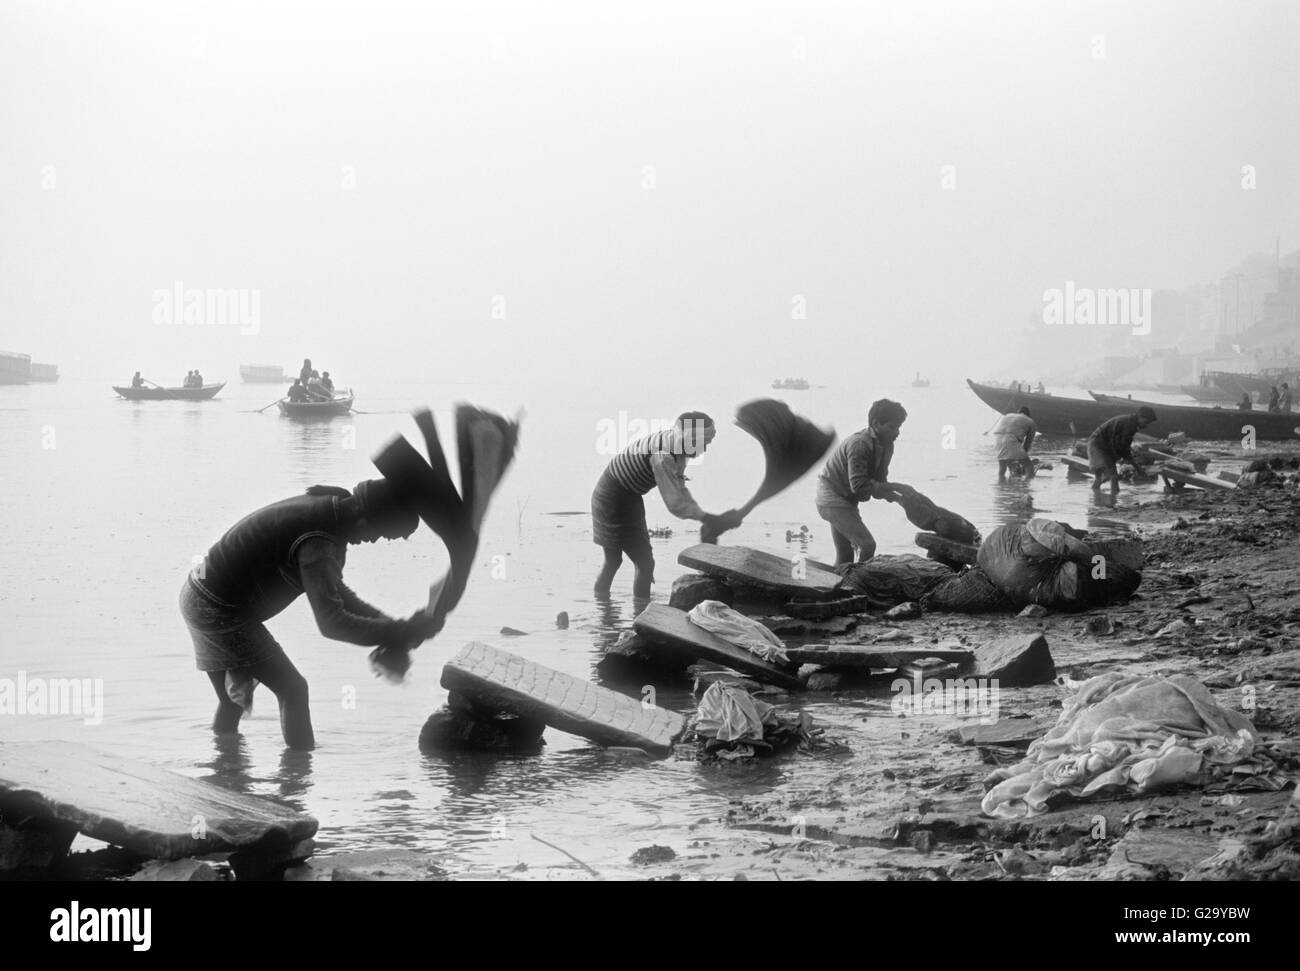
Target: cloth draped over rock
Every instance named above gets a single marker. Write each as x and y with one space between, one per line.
1123 731
887 581
735 628
1047 563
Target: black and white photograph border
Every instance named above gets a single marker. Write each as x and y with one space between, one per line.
773 442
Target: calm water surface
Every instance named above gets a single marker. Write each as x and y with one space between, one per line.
107 501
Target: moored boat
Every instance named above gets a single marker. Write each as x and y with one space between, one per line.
339 405
262 374
169 394
791 384
45 372
15 368
1055 415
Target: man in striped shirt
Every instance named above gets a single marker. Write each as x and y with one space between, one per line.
858 470
618 509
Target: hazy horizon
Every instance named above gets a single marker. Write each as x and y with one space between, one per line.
492 192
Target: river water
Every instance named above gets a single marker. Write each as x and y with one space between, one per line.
107 501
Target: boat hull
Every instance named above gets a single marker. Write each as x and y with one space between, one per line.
204 393
1055 415
316 409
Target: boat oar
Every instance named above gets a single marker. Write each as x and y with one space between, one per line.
159 387
264 407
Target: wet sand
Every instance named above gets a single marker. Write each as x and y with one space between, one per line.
906 805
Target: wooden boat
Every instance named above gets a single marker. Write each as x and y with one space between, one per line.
920 382
263 374
1208 392
791 384
15 368
169 394
340 405
1055 415
45 372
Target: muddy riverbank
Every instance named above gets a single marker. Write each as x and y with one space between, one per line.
1219 601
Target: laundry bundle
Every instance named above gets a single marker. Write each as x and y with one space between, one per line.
1125 732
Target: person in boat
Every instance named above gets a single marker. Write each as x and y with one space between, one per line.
327 383
297 393
618 509
198 379
1273 398
1014 434
1284 399
264 563
137 381
1042 388
315 390
189 380
1245 403
857 471
1111 442
305 374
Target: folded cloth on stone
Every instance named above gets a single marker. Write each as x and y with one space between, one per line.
735 628
1133 732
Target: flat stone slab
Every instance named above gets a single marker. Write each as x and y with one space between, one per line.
1011 732
1075 464
152 811
761 569
1207 482
673 629
948 549
870 656
500 680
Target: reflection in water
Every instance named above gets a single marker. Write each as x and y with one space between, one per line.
311 445
294 777
230 763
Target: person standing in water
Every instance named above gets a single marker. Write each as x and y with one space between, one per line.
1112 441
618 507
857 471
265 562
1014 434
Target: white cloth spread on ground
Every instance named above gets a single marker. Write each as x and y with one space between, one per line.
1141 733
735 628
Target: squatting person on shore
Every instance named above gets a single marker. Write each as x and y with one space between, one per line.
618 509
1112 441
858 470
265 562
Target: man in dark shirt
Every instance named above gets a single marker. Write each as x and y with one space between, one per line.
265 562
858 470
1112 441
296 391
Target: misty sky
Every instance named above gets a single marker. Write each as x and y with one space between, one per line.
644 185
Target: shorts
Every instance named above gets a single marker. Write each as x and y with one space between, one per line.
224 639
1101 461
618 519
